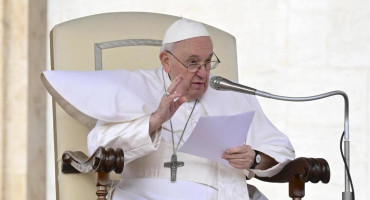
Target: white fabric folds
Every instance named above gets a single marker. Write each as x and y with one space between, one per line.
130 97
89 96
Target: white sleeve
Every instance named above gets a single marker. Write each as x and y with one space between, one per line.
132 137
265 137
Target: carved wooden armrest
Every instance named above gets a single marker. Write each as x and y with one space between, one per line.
103 161
300 171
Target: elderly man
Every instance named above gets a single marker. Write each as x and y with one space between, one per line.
180 89
152 119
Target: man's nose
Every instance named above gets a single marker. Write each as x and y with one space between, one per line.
202 71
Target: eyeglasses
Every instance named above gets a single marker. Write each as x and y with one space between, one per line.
195 66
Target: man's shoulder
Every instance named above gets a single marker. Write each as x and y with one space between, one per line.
149 73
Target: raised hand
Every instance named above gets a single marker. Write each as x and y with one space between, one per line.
169 104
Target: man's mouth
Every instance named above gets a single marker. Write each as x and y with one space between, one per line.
198 84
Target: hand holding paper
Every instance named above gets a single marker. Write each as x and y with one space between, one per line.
213 135
240 157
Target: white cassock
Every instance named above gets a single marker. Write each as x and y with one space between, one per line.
122 102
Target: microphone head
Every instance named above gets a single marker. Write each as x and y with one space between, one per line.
220 83
215 82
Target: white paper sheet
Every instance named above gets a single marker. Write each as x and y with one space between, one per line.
213 135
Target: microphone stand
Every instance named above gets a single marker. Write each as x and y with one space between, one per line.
346 195
220 83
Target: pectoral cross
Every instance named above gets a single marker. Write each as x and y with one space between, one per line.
173 165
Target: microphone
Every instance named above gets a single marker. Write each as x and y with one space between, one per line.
220 83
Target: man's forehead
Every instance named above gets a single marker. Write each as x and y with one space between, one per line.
195 47
203 42
194 56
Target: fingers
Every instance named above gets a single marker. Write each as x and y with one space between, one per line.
235 156
180 101
173 99
172 89
243 163
174 105
169 103
240 157
240 163
238 149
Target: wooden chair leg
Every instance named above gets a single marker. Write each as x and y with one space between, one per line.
102 180
102 162
296 188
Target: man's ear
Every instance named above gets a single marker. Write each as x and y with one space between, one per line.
163 56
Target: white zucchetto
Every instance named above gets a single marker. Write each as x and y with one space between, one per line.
183 29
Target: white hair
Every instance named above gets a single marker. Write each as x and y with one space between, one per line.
167 47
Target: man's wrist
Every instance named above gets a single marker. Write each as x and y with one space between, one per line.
154 124
257 159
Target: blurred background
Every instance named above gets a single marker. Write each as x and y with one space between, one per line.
285 47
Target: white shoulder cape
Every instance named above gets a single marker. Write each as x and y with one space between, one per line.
121 96
89 96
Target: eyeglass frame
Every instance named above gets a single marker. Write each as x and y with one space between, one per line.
199 65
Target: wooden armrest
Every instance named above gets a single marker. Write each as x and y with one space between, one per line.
103 161
300 171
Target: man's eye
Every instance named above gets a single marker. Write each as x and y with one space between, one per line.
193 65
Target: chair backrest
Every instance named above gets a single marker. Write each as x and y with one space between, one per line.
105 41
